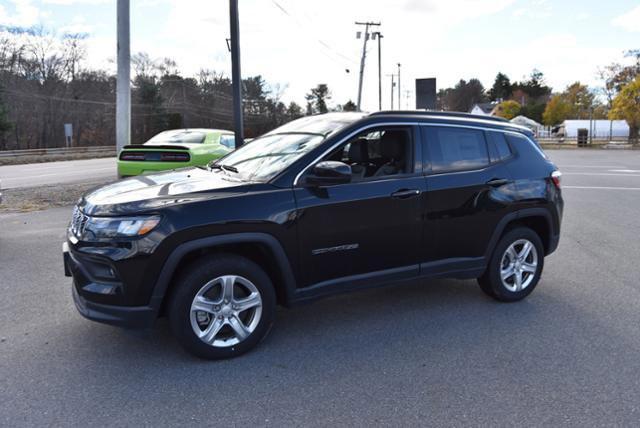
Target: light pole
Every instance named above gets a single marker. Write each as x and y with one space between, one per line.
236 75
399 90
379 34
393 85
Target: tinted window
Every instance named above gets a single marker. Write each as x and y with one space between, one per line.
228 141
179 136
456 149
525 146
319 124
376 153
498 146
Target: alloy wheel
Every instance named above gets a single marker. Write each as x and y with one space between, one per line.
519 265
226 310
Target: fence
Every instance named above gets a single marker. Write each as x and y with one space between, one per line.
98 150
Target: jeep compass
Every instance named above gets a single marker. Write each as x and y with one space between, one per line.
322 205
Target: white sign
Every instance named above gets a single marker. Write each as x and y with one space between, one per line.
68 134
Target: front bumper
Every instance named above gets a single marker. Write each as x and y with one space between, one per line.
122 316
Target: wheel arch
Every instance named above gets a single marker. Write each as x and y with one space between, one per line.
262 248
537 219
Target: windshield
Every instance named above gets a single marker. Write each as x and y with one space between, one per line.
180 136
267 156
319 124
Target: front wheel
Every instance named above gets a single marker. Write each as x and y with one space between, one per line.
222 307
515 266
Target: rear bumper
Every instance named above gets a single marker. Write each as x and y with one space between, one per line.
554 240
131 168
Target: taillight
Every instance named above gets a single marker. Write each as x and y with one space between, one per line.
174 157
132 156
556 177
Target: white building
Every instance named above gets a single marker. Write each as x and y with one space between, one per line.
600 128
484 109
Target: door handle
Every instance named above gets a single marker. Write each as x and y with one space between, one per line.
495 182
405 193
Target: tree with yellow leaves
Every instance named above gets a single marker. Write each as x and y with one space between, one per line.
626 106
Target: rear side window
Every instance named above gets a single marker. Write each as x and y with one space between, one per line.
525 146
498 147
456 149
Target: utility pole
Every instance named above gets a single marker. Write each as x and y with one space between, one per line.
123 82
379 34
236 75
399 90
365 36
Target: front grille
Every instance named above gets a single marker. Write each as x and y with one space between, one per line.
78 222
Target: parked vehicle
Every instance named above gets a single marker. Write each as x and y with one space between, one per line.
173 149
322 205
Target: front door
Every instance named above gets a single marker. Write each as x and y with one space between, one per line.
370 227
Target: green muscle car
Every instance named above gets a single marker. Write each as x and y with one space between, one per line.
173 149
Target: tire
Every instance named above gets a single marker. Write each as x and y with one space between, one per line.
512 265
249 309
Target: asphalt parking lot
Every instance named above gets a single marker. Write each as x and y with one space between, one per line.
428 353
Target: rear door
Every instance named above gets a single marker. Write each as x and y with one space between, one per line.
469 192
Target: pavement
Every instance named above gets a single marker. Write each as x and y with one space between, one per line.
436 353
40 174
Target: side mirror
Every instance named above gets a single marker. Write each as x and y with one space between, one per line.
329 173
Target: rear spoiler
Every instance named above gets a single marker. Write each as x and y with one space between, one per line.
143 147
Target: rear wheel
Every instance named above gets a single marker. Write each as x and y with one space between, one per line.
222 307
515 266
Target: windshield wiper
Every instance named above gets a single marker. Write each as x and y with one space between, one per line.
224 167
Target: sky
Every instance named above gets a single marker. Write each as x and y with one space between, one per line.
296 44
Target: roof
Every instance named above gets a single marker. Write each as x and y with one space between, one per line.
452 117
456 114
485 107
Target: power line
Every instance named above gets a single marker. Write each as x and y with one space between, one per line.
322 43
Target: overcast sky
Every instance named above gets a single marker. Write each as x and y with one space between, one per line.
298 44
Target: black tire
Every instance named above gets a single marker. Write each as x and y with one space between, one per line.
491 282
191 282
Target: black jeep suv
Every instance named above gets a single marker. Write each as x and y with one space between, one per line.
322 205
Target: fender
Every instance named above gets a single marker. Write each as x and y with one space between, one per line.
172 262
523 213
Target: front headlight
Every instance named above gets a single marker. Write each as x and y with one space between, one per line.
105 227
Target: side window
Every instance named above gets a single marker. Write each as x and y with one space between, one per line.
498 146
456 149
228 141
376 153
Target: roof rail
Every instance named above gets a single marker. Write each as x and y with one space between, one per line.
440 113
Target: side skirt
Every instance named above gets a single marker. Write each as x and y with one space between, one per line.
459 268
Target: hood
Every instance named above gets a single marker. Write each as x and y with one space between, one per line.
149 192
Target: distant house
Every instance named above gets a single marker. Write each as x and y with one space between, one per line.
599 128
484 109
